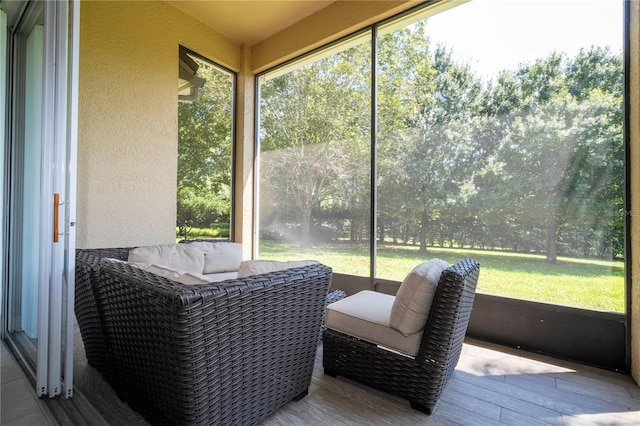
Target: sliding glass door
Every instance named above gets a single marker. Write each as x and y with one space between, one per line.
40 197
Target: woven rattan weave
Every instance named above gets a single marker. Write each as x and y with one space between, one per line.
228 353
420 379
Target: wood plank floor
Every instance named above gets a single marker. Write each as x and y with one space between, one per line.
491 385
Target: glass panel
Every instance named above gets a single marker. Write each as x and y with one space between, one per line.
314 178
3 153
26 195
501 139
31 175
205 151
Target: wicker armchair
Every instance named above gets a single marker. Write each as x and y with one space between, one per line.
223 353
421 378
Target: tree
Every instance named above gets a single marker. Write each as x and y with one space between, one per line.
536 154
531 161
405 57
205 152
441 146
313 121
560 161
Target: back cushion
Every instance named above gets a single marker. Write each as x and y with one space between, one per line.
182 257
258 266
413 301
220 257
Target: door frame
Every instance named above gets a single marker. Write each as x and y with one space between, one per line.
52 373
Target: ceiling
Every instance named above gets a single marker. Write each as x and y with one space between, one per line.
249 21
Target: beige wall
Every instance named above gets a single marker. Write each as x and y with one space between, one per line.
127 142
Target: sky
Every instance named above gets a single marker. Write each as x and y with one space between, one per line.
492 35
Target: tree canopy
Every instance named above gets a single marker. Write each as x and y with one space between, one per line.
530 161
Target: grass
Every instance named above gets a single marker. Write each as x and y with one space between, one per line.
586 283
204 233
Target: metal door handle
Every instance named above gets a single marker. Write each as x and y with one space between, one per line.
56 204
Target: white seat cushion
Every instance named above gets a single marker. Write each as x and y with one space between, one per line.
415 295
366 315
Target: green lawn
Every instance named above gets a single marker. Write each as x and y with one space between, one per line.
587 283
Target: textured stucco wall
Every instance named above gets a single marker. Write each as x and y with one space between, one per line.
128 125
634 135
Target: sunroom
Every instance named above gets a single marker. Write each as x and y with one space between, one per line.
368 135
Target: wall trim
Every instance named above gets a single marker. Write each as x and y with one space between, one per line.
591 337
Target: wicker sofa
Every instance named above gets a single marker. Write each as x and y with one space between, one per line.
230 352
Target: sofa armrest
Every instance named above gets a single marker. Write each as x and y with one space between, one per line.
88 316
